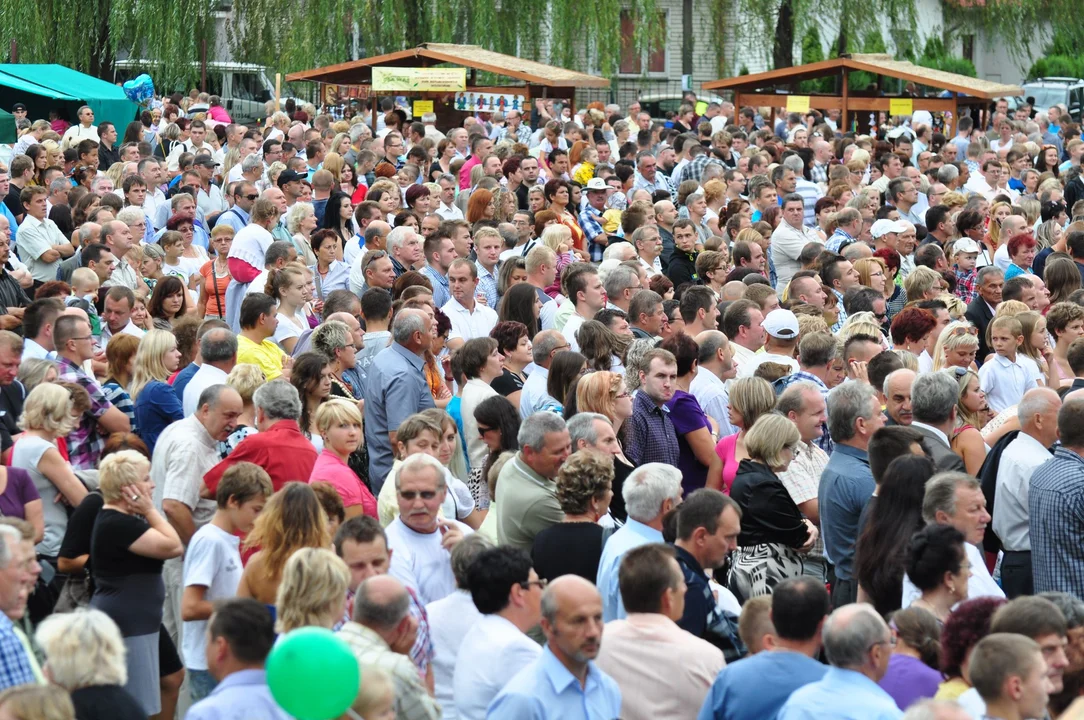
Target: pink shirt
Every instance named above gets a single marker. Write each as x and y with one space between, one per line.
330 469
726 450
663 671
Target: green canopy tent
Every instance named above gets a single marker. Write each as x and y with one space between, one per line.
7 128
43 88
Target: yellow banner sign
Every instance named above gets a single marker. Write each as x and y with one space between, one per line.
393 79
798 103
422 106
900 106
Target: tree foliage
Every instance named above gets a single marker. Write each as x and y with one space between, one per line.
290 35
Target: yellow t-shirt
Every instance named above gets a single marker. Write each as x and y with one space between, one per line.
952 689
267 355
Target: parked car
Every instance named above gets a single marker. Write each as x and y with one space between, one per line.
243 87
1048 91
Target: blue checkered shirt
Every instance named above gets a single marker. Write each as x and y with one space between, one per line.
842 313
651 436
487 283
694 169
1056 523
589 223
14 665
441 293
838 239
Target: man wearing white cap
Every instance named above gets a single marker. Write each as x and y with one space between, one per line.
886 234
781 333
965 252
591 219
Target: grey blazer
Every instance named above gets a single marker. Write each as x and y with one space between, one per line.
944 459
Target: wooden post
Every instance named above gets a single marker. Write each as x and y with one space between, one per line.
372 104
14 51
203 65
278 90
844 125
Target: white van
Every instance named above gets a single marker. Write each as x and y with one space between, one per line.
243 87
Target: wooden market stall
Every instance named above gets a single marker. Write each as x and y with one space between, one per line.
447 76
769 88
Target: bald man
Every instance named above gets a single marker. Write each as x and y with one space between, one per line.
572 624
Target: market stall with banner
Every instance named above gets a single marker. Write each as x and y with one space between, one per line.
953 93
448 80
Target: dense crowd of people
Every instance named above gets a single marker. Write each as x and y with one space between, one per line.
737 415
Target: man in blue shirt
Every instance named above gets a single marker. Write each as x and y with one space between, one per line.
854 414
396 390
858 644
641 493
563 683
756 687
240 635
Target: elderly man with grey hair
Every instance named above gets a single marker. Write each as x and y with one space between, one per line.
218 355
933 411
528 489
405 249
650 493
381 634
956 499
15 662
396 389
1038 417
186 451
858 645
534 396
854 414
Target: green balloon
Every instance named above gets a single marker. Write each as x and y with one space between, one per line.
313 674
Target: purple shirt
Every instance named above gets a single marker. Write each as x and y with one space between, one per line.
19 491
909 679
687 417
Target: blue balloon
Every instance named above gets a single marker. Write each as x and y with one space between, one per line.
139 89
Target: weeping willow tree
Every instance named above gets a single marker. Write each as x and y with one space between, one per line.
85 35
290 35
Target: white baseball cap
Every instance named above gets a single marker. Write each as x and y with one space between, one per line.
965 245
883 227
782 324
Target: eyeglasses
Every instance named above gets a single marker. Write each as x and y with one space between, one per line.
624 394
482 430
526 585
249 197
969 330
375 255
85 337
411 494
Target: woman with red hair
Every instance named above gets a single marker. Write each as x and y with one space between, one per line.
912 330
480 206
1022 249
895 295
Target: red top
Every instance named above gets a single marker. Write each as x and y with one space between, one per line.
281 450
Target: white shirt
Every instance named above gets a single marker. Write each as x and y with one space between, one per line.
925 362
1018 462
469 325
1001 257
425 565
155 198
980 584
129 329
213 561
449 212
1005 382
205 377
547 316
650 268
742 356
185 451
211 202
575 321
497 650
714 400
450 620
36 237
31 349
77 133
